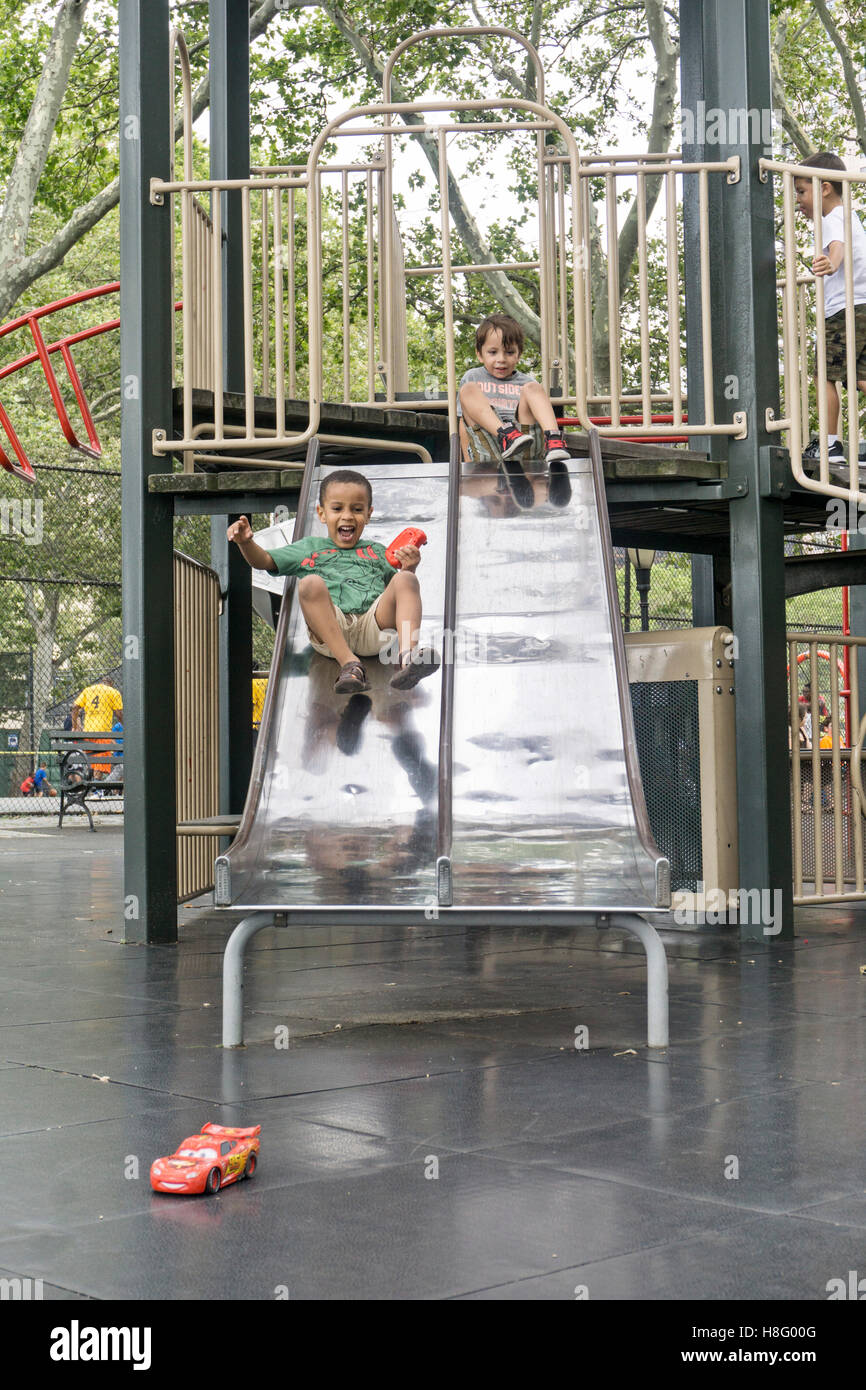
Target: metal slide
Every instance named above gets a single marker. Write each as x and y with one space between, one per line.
505 785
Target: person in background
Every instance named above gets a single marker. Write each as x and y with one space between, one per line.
41 784
94 711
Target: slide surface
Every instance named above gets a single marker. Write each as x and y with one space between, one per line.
343 810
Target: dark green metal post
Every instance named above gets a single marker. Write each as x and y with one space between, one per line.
150 859
230 158
725 64
703 591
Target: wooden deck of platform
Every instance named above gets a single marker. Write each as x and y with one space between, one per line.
675 496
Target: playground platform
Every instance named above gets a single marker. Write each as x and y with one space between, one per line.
435 1123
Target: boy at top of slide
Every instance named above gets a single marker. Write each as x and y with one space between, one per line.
505 403
351 598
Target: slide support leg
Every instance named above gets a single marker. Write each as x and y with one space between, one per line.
233 976
657 974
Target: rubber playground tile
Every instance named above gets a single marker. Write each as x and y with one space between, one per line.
33 1100
184 1058
771 1258
776 1151
842 1211
483 1109
37 1004
809 1048
399 1232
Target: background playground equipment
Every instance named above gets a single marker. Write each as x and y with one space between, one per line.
740 497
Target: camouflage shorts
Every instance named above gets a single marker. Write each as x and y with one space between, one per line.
837 351
484 447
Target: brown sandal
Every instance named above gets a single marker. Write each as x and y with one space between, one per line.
352 679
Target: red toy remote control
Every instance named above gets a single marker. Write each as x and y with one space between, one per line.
411 536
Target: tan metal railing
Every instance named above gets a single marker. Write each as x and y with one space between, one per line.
283 210
196 653
827 799
805 383
644 169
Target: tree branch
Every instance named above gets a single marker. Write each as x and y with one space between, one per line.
848 68
41 120
17 273
795 131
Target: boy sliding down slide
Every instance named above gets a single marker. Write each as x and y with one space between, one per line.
352 600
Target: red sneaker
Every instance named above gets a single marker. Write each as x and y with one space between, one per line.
512 440
554 447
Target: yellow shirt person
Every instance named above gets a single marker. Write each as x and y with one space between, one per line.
260 688
98 705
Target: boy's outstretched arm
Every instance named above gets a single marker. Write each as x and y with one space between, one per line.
241 533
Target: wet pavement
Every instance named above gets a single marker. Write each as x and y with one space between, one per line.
446 1114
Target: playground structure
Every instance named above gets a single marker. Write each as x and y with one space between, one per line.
737 492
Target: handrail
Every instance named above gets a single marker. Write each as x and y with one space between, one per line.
465 31
280 639
444 890
795 419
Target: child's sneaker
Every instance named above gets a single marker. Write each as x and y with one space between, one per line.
414 666
554 446
835 452
512 440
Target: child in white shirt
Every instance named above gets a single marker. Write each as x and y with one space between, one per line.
831 263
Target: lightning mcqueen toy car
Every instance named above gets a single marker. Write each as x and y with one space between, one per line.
208 1161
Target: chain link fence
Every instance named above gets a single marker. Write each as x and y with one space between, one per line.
60 616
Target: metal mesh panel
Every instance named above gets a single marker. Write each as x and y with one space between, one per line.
851 822
666 727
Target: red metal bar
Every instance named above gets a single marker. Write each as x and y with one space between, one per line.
42 353
635 420
23 468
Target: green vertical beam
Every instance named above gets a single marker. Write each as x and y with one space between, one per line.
725 64
230 158
703 591
150 856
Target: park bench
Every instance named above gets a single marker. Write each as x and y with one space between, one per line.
79 753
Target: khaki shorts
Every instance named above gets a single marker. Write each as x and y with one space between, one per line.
361 631
837 347
483 447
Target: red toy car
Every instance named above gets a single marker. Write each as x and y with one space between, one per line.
208 1161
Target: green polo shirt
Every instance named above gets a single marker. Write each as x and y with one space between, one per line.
355 578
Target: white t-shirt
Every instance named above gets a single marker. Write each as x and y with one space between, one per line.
833 229
503 394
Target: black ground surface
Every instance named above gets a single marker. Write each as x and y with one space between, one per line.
430 1130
